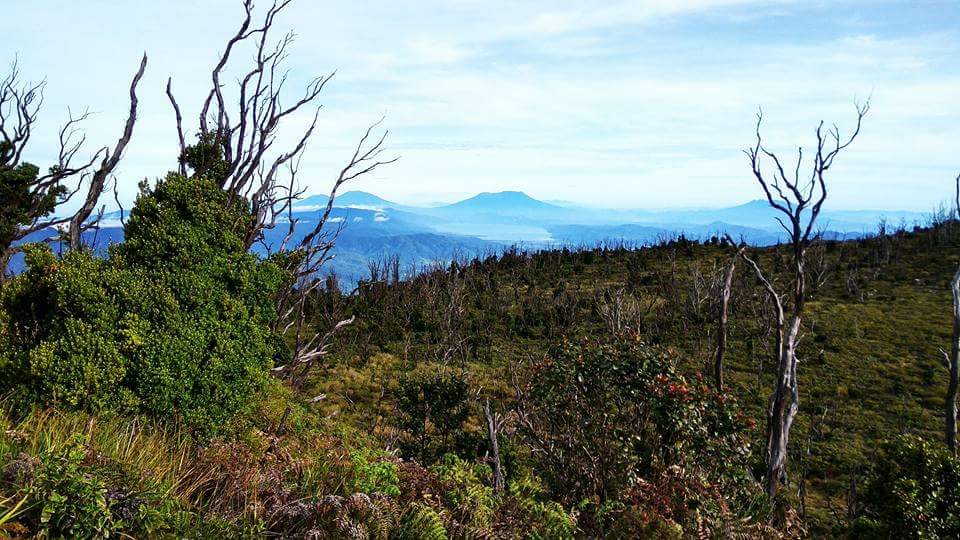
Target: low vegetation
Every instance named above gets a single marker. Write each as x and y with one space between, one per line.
398 444
184 384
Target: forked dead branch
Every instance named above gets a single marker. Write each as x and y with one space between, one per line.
798 200
245 131
31 204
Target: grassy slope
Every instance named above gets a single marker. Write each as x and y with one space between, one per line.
880 373
870 361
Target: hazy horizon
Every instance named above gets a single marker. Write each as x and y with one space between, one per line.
616 105
424 203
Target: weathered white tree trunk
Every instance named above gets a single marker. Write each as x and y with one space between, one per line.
784 404
953 363
722 324
493 430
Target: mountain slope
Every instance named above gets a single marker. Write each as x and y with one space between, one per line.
350 199
504 202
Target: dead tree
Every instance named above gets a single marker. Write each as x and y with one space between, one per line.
244 128
621 311
722 318
798 200
494 425
31 207
953 365
98 181
953 358
956 203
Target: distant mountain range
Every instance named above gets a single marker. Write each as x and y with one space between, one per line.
373 227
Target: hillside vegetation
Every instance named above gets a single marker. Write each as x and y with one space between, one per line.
871 354
209 377
601 354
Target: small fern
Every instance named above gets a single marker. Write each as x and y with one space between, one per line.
420 522
384 517
548 520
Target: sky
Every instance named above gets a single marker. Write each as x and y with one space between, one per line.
640 104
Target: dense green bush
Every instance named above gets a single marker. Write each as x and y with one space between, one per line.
372 474
914 492
465 489
175 321
20 203
433 409
657 441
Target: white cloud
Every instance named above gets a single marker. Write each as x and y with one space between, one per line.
618 102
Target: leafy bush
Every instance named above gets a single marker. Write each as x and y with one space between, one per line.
21 204
420 522
176 321
63 499
645 422
373 476
433 410
465 490
914 492
543 518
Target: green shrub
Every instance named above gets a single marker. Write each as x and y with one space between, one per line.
433 409
176 321
64 499
914 492
544 518
657 440
420 522
466 491
373 475
21 202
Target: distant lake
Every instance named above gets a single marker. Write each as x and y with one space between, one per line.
498 232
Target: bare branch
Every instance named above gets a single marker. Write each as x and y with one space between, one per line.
176 111
107 166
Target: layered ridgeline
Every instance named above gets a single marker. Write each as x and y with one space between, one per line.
373 228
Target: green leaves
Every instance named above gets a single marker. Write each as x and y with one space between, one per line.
614 421
914 492
433 410
19 205
72 502
176 321
374 475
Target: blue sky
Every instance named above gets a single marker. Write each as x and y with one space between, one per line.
619 104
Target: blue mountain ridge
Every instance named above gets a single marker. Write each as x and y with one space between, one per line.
371 227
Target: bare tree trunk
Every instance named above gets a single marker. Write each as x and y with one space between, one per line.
799 202
784 402
953 364
957 199
493 428
852 499
722 323
784 405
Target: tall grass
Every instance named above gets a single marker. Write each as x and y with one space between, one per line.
153 456
240 480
